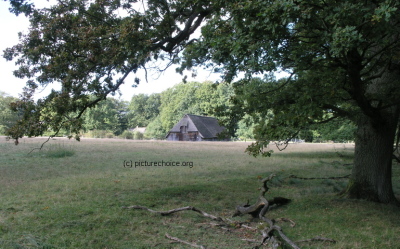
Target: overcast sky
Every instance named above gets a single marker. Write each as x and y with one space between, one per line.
10 25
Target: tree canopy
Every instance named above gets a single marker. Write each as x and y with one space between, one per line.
143 109
8 118
88 48
342 58
109 114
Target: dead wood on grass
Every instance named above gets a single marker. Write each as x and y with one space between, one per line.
272 236
317 238
184 242
320 178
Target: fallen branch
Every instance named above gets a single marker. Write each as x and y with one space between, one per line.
292 223
257 210
184 242
248 227
176 210
267 233
319 178
317 238
251 240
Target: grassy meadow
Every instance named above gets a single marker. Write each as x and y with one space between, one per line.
70 195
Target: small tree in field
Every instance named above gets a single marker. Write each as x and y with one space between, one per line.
342 58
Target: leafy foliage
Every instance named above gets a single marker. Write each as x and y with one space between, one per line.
191 98
143 109
110 114
88 48
127 135
342 58
338 130
7 117
21 6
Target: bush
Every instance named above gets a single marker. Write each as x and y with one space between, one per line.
99 134
138 135
109 135
127 135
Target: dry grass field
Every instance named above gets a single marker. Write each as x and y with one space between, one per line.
70 194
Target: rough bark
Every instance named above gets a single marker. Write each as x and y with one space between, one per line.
371 177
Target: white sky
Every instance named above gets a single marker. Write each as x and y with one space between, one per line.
10 25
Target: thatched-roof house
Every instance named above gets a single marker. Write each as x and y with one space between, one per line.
196 128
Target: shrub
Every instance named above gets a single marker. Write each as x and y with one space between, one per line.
99 134
138 135
127 135
109 135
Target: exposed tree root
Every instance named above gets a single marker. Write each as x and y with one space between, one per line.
258 210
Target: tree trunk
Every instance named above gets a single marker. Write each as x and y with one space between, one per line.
371 177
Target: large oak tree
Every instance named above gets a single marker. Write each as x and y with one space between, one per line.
342 58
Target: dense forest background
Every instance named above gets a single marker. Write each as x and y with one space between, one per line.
158 112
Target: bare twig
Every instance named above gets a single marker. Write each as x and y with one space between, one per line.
184 242
317 238
319 178
251 240
292 223
257 210
248 227
177 210
40 148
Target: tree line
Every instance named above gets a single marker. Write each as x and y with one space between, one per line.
158 112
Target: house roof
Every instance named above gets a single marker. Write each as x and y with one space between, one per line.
208 127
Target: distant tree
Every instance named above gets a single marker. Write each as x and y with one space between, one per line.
195 98
108 115
338 130
179 100
244 130
123 113
306 135
155 130
7 116
143 109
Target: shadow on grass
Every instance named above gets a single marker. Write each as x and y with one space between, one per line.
316 155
